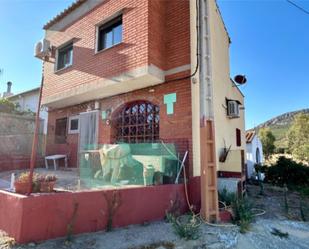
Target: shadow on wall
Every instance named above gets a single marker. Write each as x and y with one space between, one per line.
103 64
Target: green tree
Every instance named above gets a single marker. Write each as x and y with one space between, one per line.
268 141
298 137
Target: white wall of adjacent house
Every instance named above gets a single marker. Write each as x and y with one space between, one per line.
29 102
254 154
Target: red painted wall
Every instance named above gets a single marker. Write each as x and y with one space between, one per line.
46 216
11 213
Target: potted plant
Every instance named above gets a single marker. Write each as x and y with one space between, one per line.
22 184
47 183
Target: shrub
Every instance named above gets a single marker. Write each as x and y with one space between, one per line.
226 196
6 106
243 215
287 171
280 150
187 228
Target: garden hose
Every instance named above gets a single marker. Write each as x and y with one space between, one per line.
262 212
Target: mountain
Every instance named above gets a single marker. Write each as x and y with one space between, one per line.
280 126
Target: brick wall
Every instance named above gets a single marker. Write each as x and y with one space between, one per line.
169 33
88 66
175 128
154 32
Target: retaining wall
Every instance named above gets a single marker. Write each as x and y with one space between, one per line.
46 216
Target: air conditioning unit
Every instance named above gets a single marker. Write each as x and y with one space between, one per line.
42 49
233 109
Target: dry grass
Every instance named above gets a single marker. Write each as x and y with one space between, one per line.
6 242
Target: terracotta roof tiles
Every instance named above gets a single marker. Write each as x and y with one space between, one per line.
249 136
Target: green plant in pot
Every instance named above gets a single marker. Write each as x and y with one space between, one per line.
47 183
21 184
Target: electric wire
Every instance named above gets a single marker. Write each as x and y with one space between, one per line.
298 7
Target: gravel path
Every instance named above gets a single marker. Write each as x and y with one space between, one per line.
261 235
160 235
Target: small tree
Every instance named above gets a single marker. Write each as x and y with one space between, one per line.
298 137
268 141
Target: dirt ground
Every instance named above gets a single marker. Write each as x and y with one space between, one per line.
160 235
67 179
273 202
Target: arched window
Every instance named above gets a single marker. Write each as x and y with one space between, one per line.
138 122
257 156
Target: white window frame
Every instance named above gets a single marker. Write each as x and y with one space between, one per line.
70 131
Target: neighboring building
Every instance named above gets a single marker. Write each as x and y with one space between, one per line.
254 150
28 102
127 71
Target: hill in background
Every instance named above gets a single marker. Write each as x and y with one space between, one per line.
280 126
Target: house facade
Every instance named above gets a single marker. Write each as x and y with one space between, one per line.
28 101
134 72
254 152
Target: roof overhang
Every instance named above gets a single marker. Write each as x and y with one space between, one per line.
74 12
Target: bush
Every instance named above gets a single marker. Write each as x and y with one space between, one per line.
226 197
287 171
6 106
260 168
243 215
187 228
280 150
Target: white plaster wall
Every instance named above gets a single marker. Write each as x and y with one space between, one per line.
251 154
30 101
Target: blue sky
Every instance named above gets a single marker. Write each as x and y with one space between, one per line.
270 45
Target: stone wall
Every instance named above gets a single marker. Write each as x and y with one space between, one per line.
16 135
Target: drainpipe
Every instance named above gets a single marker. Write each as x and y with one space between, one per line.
209 194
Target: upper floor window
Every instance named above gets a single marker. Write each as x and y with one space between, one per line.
65 56
110 34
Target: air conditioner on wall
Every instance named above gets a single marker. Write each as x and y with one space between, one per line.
232 109
42 48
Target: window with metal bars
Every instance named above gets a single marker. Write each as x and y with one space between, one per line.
138 122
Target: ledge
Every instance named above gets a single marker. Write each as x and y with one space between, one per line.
129 81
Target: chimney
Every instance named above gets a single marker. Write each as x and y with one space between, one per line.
9 87
8 92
